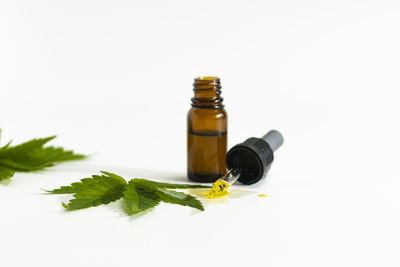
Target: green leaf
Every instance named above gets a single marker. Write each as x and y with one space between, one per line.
77 186
170 196
138 195
6 173
73 188
137 199
179 198
26 147
170 186
37 159
54 154
25 164
32 156
96 191
114 176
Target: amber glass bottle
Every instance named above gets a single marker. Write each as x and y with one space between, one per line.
207 126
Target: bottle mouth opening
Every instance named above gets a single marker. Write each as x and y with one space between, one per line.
207 78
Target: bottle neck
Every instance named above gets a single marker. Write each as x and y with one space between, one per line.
207 93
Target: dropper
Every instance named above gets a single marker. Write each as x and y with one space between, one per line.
248 162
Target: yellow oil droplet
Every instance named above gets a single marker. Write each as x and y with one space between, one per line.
262 195
218 190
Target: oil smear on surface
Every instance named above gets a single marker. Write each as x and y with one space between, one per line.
219 189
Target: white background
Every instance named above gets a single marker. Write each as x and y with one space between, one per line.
114 79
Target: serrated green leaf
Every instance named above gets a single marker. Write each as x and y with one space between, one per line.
54 154
26 147
171 186
32 156
25 164
137 199
179 198
77 186
38 158
169 196
99 190
138 195
69 189
6 173
113 175
73 188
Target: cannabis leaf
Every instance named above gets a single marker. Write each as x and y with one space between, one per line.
168 185
180 198
138 194
32 156
78 186
137 199
171 196
100 189
73 188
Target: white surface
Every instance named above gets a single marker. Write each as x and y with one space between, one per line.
114 78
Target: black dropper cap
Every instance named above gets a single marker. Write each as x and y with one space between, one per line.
253 157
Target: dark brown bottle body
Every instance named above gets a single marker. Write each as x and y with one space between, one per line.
207 127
